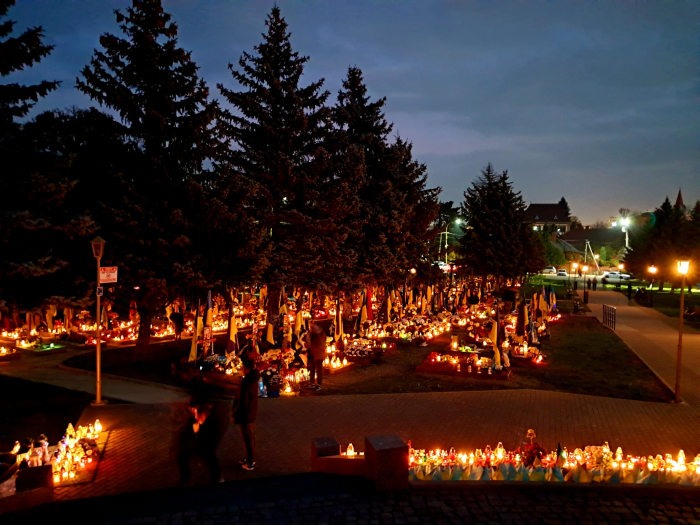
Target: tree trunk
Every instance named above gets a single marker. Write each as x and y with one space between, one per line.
347 306
273 305
142 342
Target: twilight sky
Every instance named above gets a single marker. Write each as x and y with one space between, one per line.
596 101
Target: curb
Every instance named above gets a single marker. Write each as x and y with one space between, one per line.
539 486
125 379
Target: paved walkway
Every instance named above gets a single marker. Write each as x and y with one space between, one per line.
140 452
45 369
653 336
318 498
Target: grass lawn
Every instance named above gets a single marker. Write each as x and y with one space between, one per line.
669 304
583 357
30 409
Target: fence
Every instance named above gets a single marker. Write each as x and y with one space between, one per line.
609 316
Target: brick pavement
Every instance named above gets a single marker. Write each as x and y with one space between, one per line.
318 498
139 455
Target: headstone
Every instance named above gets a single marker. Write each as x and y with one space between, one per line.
386 458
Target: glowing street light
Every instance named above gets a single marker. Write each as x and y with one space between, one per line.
683 267
625 223
447 233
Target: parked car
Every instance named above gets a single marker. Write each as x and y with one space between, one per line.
550 269
562 273
616 276
446 267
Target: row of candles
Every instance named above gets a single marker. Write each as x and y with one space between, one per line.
72 454
477 361
589 458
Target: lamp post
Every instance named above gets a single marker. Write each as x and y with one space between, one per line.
625 223
585 289
619 274
652 270
683 270
447 233
98 248
575 267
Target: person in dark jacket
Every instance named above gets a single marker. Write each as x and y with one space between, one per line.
200 436
245 411
178 321
315 342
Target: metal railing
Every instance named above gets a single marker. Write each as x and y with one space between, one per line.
609 316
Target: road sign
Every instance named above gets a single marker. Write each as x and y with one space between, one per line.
108 274
100 291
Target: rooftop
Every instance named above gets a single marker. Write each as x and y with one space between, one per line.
548 213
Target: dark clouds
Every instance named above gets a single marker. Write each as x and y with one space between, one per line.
597 101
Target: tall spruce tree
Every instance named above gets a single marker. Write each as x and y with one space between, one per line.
303 175
499 239
16 54
396 207
41 222
665 237
168 122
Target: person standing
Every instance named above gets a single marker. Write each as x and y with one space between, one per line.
315 342
595 283
200 436
245 411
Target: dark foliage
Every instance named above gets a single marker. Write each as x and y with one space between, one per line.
151 217
500 240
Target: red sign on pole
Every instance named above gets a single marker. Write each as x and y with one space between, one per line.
108 274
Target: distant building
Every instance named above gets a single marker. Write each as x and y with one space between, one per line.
570 252
543 215
596 236
613 239
679 201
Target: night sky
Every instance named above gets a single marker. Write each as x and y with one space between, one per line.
595 101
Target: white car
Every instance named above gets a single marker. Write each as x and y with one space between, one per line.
550 269
562 273
616 276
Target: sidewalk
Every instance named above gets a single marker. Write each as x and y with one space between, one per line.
654 338
45 369
320 498
140 453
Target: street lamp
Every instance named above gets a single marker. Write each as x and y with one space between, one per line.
619 274
98 249
683 270
574 266
447 233
652 270
625 223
